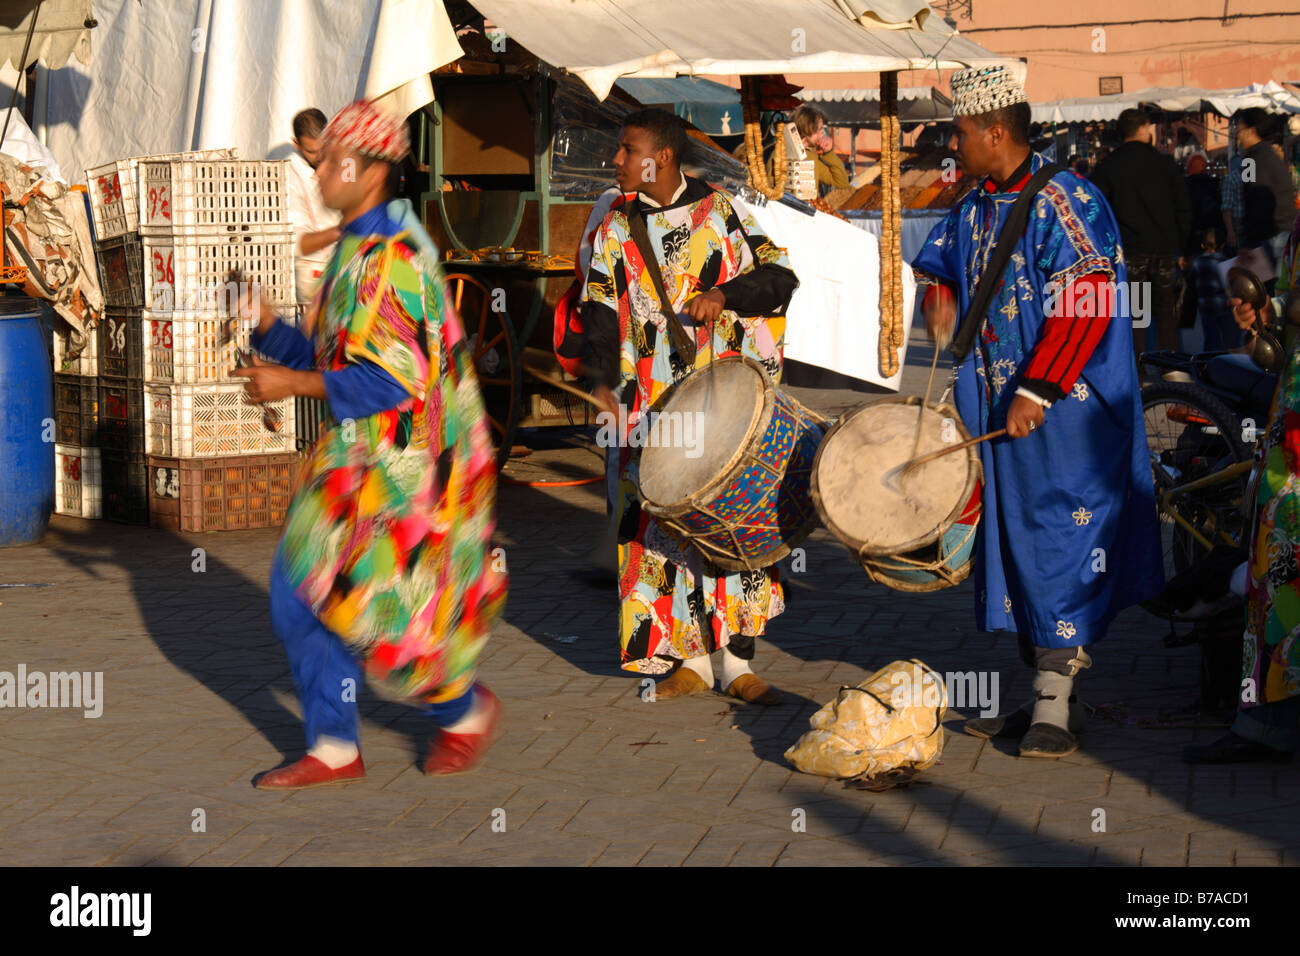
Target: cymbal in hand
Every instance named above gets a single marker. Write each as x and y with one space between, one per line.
1243 284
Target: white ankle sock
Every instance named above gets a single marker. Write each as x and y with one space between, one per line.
474 722
703 666
333 752
732 667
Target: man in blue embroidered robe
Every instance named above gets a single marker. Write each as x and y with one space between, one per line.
1069 535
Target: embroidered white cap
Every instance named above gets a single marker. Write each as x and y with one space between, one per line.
983 90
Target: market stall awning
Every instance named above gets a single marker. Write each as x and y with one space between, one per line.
61 32
708 106
1171 99
916 104
603 40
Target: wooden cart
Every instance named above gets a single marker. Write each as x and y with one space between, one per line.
507 238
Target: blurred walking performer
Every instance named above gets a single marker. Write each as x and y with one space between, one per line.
1069 535
384 567
719 272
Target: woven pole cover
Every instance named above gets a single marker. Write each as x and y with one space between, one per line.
891 256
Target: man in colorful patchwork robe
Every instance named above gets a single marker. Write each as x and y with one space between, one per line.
1267 727
1069 534
384 568
730 286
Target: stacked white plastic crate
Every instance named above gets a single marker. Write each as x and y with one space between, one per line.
199 221
209 462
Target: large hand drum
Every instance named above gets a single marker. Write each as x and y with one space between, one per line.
913 532
739 491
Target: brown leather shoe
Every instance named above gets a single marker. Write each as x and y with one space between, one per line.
458 753
680 683
309 772
754 690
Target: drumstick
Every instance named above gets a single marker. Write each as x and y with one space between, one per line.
563 386
907 466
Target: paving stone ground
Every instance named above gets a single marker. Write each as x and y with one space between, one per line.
198 698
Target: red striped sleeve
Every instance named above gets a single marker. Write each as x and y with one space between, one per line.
1069 336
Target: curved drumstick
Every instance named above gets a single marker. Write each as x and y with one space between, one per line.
563 386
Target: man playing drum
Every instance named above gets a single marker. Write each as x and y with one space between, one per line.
1070 535
728 286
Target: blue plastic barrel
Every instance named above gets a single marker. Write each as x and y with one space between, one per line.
26 423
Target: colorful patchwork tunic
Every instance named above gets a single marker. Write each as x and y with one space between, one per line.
673 603
1271 655
387 538
1069 534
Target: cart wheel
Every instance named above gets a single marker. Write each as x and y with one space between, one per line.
495 348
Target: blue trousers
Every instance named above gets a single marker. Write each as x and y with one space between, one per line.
325 673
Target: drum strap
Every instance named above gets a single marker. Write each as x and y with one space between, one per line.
1007 241
682 340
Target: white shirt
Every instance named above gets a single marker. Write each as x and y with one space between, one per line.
676 196
308 213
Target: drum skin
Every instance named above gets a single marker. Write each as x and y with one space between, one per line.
759 506
933 561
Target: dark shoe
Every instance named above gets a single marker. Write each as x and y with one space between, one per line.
1013 724
1233 749
457 753
309 772
1048 740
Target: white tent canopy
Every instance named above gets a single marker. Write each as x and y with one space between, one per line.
171 75
1173 99
916 104
61 32
602 41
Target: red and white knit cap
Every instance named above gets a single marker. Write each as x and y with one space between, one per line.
370 131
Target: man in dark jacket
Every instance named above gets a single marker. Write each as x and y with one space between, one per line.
1267 192
1148 194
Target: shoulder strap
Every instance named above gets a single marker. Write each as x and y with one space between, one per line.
1007 240
682 340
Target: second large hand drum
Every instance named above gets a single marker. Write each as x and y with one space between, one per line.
739 489
913 532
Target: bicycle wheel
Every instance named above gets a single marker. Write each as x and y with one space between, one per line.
1193 435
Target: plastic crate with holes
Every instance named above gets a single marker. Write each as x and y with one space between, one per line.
114 193
184 348
126 491
209 421
234 196
121 416
78 484
188 271
121 353
85 362
76 410
121 271
220 494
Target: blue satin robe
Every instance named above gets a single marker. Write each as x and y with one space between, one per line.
1069 535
